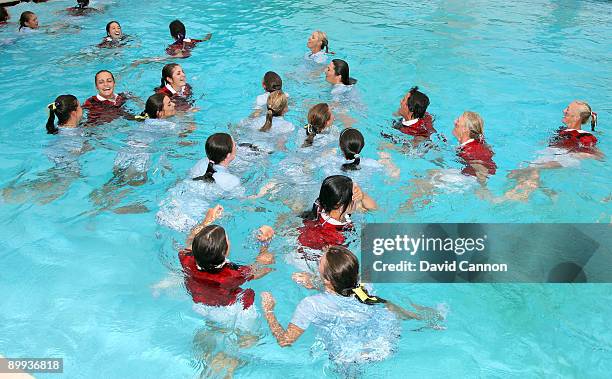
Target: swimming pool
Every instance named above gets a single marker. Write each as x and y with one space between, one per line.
77 279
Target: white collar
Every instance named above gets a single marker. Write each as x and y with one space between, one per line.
410 122
466 142
330 220
578 130
220 168
169 88
101 98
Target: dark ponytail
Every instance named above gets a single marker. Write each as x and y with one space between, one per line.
167 73
272 81
82 3
62 107
351 144
177 30
209 248
341 270
25 17
318 116
218 147
325 44
342 68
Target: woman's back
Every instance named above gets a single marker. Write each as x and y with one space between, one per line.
351 331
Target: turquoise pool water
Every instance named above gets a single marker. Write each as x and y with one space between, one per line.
77 277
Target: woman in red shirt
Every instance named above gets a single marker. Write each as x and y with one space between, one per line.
106 105
330 216
210 278
475 155
566 148
174 85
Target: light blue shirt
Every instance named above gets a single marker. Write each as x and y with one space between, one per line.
350 330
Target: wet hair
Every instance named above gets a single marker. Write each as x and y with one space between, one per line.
82 3
218 147
209 248
341 269
586 114
342 68
321 36
177 30
167 72
108 26
272 81
4 15
336 191
277 103
61 108
475 124
100 72
417 103
25 17
155 104
351 144
318 117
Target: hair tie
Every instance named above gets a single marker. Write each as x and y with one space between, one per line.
52 106
362 295
594 114
356 156
309 130
141 117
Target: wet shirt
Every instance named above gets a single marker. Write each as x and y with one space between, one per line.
350 331
137 152
476 152
182 98
221 288
102 110
187 201
420 127
574 140
368 169
185 46
319 57
223 178
66 147
322 231
279 125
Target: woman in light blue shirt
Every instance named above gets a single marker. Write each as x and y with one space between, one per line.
354 326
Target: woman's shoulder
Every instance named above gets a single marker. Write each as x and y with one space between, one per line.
226 180
282 126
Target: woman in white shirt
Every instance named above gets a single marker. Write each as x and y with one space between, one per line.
209 180
316 43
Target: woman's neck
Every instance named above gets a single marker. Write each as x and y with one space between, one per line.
576 126
336 214
315 50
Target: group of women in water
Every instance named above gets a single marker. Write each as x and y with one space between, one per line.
321 252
